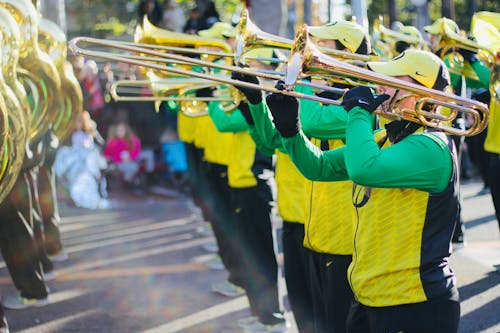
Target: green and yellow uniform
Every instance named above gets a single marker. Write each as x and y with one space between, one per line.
390 265
250 201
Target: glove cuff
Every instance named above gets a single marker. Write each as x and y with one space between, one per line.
289 132
255 98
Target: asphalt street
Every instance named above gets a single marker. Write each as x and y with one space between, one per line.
139 267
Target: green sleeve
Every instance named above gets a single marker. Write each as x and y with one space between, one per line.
264 126
313 163
483 73
320 121
454 78
259 143
226 122
419 161
324 122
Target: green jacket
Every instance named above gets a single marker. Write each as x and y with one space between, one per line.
406 203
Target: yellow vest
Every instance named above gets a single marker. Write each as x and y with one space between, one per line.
217 145
186 127
329 213
290 187
241 160
492 142
377 278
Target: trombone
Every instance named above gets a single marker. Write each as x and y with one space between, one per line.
249 36
160 56
390 36
305 55
171 89
306 59
452 40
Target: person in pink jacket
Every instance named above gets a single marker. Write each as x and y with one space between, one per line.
123 149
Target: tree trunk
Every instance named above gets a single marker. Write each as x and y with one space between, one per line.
55 11
448 9
269 16
393 14
307 12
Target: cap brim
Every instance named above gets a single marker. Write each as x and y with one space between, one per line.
432 29
321 32
388 68
229 34
205 33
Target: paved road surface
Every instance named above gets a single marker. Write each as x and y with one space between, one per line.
139 268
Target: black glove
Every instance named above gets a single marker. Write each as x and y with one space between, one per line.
205 92
245 111
468 55
363 97
285 111
253 96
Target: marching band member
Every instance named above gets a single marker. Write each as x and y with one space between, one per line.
327 219
492 142
466 71
250 229
406 201
462 62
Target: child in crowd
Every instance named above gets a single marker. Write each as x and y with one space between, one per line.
123 149
79 166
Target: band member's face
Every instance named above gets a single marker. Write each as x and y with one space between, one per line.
407 103
328 43
434 41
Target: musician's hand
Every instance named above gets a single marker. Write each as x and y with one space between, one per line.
285 111
245 111
205 92
253 96
363 97
468 55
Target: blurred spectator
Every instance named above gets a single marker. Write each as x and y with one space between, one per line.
210 16
93 99
123 149
152 9
77 61
79 166
195 22
173 17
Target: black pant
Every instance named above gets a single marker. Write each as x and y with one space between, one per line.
226 229
252 213
38 226
296 259
197 179
49 209
494 182
332 295
18 244
3 320
434 316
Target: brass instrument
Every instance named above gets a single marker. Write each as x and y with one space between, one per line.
306 57
150 36
169 89
176 89
391 37
52 41
73 45
250 37
35 61
451 40
13 130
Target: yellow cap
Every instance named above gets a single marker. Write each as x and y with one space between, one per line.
218 30
422 66
436 27
348 33
411 31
